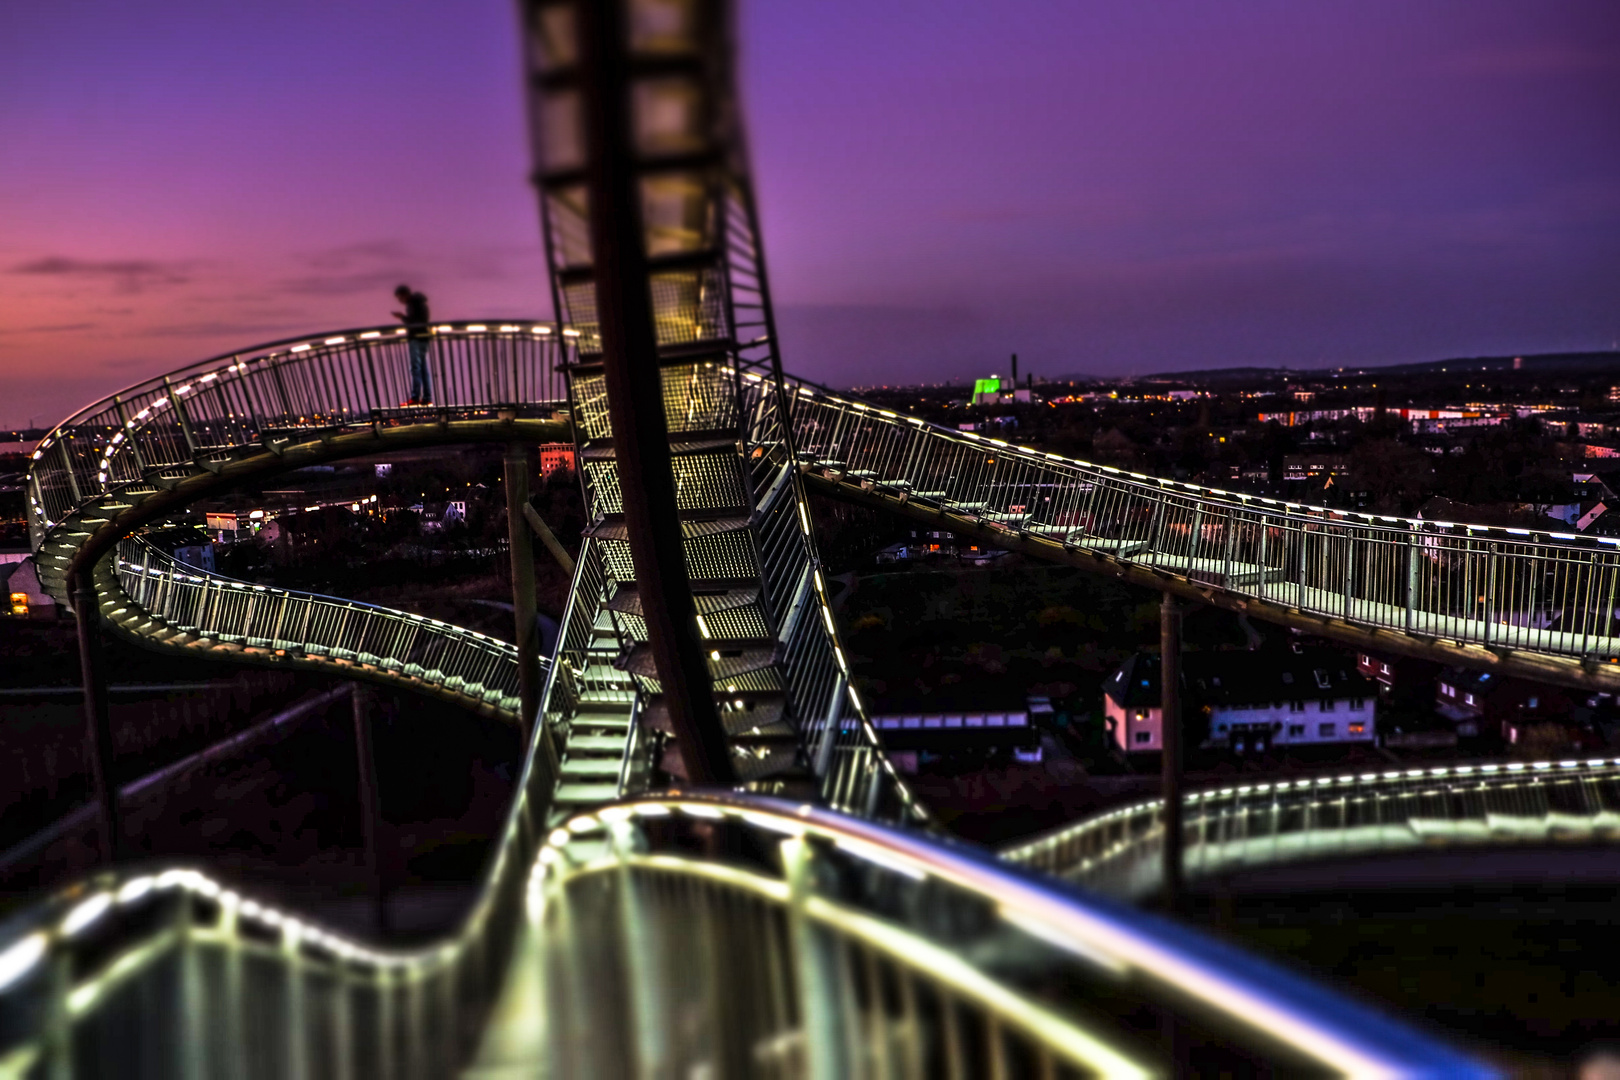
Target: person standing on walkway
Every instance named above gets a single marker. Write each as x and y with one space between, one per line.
419 338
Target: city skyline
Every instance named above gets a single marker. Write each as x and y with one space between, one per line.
1110 191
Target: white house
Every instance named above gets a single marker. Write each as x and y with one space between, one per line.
1303 697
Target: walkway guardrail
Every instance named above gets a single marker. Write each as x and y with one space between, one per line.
183 606
1390 811
165 428
1538 592
730 934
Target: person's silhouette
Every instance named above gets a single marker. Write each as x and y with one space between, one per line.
419 338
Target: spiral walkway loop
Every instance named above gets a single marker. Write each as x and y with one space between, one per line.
148 452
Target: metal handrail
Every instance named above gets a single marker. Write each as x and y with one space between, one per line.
1540 593
970 950
195 603
205 412
1332 816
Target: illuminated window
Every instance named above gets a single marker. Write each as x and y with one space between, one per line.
1358 729
19 603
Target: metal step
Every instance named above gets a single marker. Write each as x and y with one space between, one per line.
576 794
709 597
725 662
579 768
612 527
610 744
705 443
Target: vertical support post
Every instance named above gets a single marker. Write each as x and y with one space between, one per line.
196 1035
1170 739
1261 557
829 731
98 729
1348 607
815 970
180 416
67 466
634 380
639 929
1492 561
1411 579
522 551
1304 560
370 801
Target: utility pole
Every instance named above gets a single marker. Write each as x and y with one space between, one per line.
635 393
98 729
522 552
1170 739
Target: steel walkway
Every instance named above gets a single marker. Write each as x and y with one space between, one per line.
803 925
1541 605
1394 811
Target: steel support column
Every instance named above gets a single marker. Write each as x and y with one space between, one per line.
1170 739
98 730
530 681
635 395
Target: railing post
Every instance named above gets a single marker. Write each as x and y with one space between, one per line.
296 1031
58 1034
1491 559
67 465
1411 578
195 1039
180 416
98 728
815 971
129 434
1170 740
370 798
1156 529
829 731
649 1013
521 550
1304 562
1347 609
1231 530
1260 557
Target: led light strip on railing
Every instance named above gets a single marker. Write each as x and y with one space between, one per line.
1341 1036
202 374
1026 851
1160 484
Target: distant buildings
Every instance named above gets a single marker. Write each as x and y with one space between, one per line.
938 544
555 457
1253 700
1131 705
1484 703
19 584
912 737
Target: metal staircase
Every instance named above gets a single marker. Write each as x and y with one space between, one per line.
791 723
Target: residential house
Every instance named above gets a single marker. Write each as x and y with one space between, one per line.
1299 697
1485 703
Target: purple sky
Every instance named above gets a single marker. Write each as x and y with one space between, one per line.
1108 187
